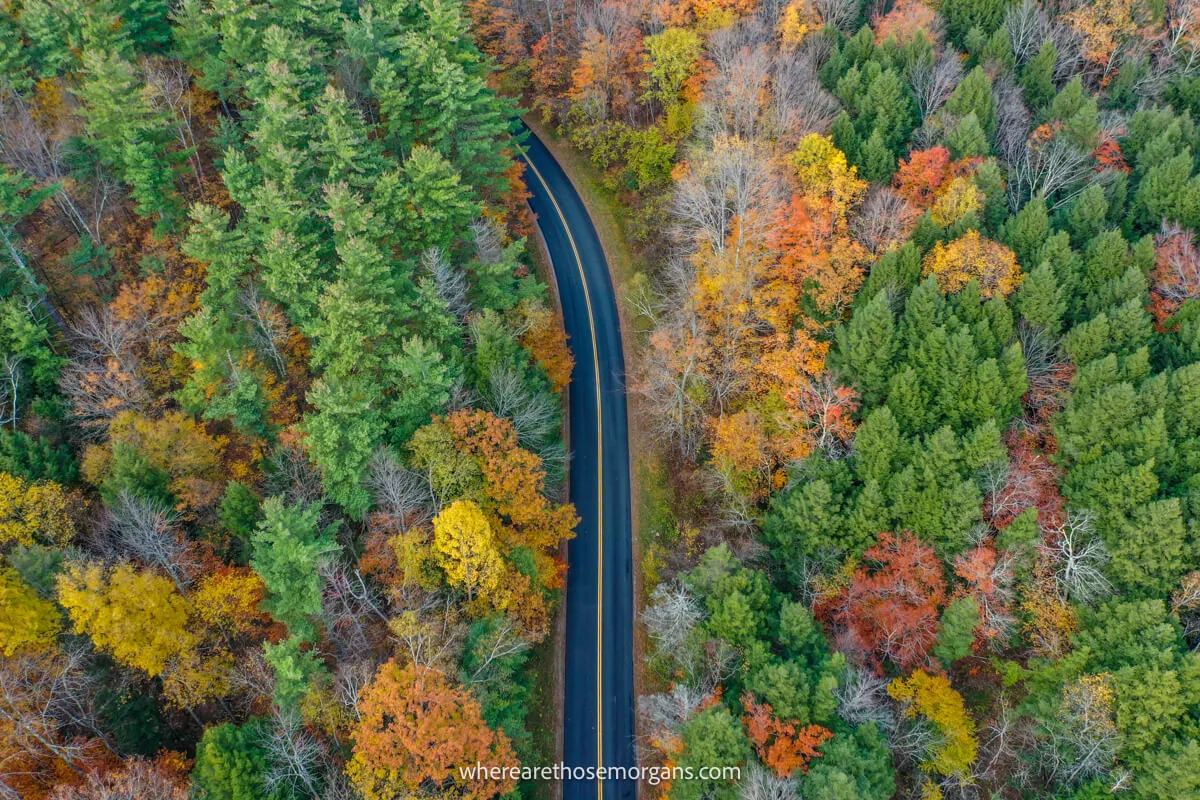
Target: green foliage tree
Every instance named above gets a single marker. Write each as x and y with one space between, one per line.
231 762
287 550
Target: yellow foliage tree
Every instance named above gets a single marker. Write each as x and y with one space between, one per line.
932 697
229 601
959 198
138 617
173 443
33 512
822 171
466 548
972 257
26 620
798 20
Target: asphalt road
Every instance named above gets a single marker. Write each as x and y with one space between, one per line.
598 724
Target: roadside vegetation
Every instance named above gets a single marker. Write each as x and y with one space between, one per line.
280 451
922 357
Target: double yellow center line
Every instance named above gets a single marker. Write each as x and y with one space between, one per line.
587 298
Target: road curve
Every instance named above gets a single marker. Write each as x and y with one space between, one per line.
598 714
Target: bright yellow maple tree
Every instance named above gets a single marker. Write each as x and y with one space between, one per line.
136 616
466 549
26 620
33 512
932 697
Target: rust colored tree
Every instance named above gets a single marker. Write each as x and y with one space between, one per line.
891 605
784 745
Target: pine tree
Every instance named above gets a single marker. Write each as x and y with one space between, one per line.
287 550
973 95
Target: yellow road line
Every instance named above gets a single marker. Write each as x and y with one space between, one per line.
587 299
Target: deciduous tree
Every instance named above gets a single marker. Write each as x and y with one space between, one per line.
417 730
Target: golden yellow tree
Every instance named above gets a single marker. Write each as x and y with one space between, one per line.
26 620
136 616
466 548
932 697
33 512
972 257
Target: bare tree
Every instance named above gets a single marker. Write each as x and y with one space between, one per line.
1013 120
1082 740
800 105
672 375
1069 43
402 495
1028 28
169 85
841 14
10 388
350 679
46 713
741 74
1055 169
431 633
488 239
534 415
102 377
268 326
1002 741
451 283
884 219
759 783
294 759
671 617
134 779
1079 556
664 714
293 476
933 79
864 698
41 149
148 530
352 607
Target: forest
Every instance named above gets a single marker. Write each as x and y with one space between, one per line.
918 340
280 453
917 347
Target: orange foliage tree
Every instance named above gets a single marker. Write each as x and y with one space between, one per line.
920 177
546 340
514 484
784 745
907 20
416 730
817 253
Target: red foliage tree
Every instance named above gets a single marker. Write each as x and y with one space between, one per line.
919 178
891 605
784 745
